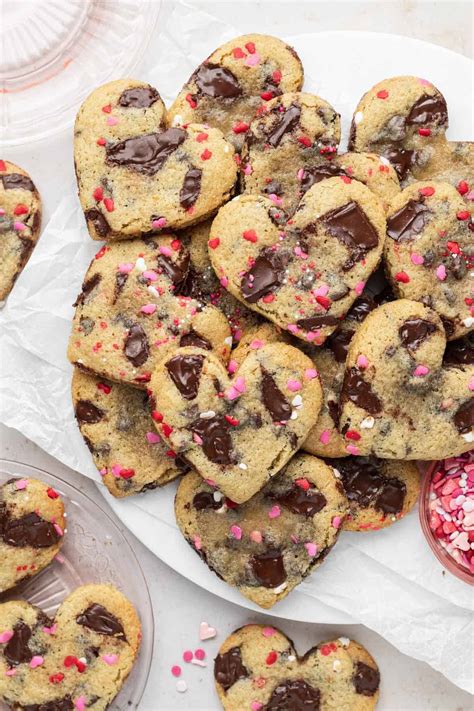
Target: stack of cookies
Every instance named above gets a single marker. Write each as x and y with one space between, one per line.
286 328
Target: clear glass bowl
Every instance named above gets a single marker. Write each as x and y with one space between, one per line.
446 560
94 551
53 53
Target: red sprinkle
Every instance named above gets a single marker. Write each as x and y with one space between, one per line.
166 429
98 194
403 277
2 165
157 416
427 192
101 141
250 236
191 100
238 53
56 678
127 473
52 493
268 298
101 252
250 47
176 245
382 94
463 215
352 434
424 131
266 95
462 187
305 141
206 154
202 137
231 420
20 209
214 243
324 301
107 109
109 204
303 484
271 658
240 127
276 76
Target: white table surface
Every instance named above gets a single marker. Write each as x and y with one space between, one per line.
179 606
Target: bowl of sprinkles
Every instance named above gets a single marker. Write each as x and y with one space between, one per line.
447 513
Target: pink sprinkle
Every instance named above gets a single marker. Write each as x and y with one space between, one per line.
299 252
471 383
148 309
5 636
116 469
187 655
325 436
256 536
200 654
424 82
150 275
359 287
58 529
294 539
256 344
252 59
336 522
268 631
312 549
256 706
441 272
421 370
176 670
362 361
236 532
21 484
126 267
352 449
110 659
248 169
274 512
224 282
312 335
292 328
36 661
276 200
50 630
322 290
310 373
153 437
232 367
197 438
293 385
19 226
416 258
197 542
10 672
469 196
239 384
112 121
159 223
300 174
167 251
80 703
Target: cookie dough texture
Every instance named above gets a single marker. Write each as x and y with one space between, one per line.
130 314
79 659
236 432
305 274
134 175
398 400
429 252
116 423
268 545
31 529
260 665
20 223
234 82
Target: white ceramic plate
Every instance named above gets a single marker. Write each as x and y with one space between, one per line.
340 67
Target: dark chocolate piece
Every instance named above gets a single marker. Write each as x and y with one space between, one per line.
17 650
464 417
140 97
288 121
350 225
415 331
193 338
216 440
101 225
185 372
136 346
88 413
28 530
366 679
191 188
229 668
268 568
409 221
294 695
273 399
263 278
217 82
17 181
300 501
360 392
100 620
148 153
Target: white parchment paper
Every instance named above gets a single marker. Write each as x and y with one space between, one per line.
387 580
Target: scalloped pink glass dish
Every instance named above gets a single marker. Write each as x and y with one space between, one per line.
94 551
446 560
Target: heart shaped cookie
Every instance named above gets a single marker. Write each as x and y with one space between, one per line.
258 668
115 422
31 529
429 252
405 120
236 432
398 400
268 545
130 313
303 274
134 175
78 660
236 80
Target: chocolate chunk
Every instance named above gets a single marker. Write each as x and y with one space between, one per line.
191 188
288 121
100 620
87 412
298 501
366 679
146 154
335 411
193 338
263 277
359 391
176 271
229 668
16 181
217 82
448 324
216 440
339 344
464 417
205 500
392 496
268 568
120 281
315 174
64 704
294 695
273 399
428 109
459 352
350 225
29 530
101 225
87 287
361 308
17 650
401 159
365 484
415 331
136 346
185 372
409 221
313 323
141 97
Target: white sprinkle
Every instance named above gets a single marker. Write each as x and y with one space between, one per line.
367 423
217 496
209 414
226 149
337 473
83 660
181 686
384 161
297 401
153 291
291 658
469 321
279 589
294 415
177 120
358 117
228 341
79 360
336 665
468 437
345 641
140 264
198 662
242 465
